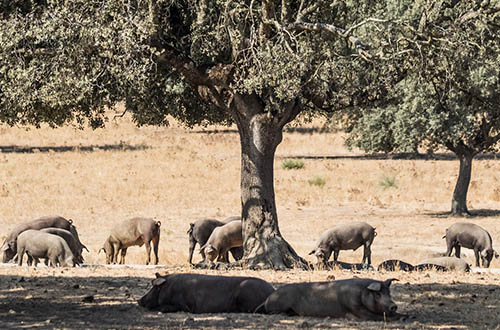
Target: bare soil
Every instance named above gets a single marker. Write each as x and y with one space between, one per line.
99 178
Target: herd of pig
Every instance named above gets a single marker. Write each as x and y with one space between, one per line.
56 240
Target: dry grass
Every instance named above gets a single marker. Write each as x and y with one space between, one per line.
186 175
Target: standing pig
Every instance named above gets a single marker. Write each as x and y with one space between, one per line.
73 244
222 239
200 231
37 244
356 298
135 231
470 236
9 247
197 293
346 237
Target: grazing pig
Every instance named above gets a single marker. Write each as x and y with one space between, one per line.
135 231
470 236
200 231
450 263
345 237
37 244
393 265
197 293
76 248
222 239
356 298
9 247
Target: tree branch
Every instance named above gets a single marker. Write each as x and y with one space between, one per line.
268 12
355 42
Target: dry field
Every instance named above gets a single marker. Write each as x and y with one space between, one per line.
178 176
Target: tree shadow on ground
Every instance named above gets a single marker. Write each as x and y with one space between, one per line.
480 213
89 148
110 302
399 156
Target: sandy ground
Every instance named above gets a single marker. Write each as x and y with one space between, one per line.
99 178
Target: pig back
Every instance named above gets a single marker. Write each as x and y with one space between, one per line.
229 235
469 235
134 231
350 236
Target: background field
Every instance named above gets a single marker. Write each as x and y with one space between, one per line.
99 178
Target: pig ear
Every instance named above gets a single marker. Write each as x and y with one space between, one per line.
389 281
5 246
375 286
158 281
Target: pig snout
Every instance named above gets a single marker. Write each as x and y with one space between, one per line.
149 300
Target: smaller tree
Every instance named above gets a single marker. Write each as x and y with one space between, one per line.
451 95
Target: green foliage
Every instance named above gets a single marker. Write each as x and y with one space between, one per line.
68 61
388 181
317 181
450 94
292 164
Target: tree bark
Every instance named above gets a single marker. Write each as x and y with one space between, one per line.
260 135
459 201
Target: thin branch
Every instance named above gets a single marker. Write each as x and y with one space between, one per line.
356 43
371 19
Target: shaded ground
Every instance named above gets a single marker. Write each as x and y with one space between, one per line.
103 297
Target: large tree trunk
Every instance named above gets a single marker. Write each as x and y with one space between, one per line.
260 135
459 201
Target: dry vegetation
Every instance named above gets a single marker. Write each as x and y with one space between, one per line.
178 176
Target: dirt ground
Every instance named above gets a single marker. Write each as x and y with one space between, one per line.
98 297
99 178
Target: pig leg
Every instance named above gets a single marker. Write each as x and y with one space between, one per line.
116 249
476 253
192 244
457 251
148 252
449 246
223 255
335 254
20 254
53 261
30 260
367 253
156 242
202 252
122 256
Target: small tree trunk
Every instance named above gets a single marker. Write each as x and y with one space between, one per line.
459 201
262 241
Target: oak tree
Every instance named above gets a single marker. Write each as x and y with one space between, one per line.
450 96
258 64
